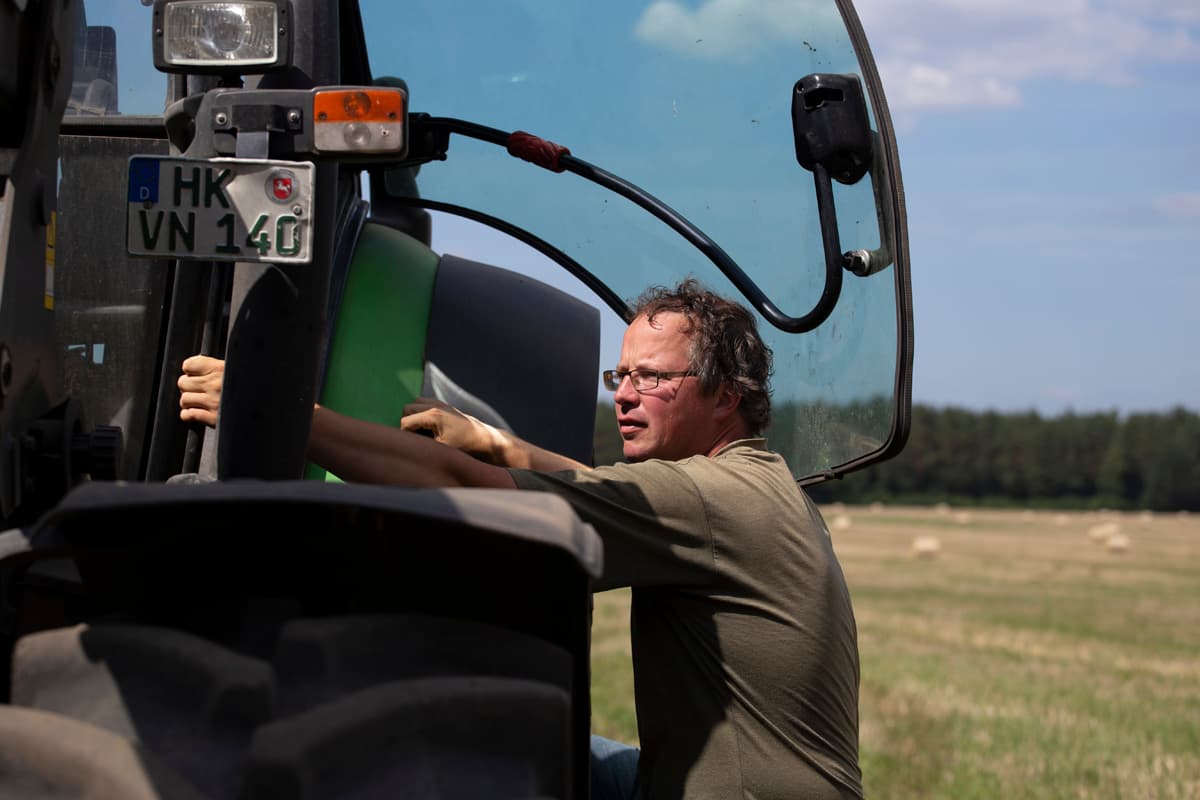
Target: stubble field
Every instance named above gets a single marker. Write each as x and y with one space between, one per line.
1005 654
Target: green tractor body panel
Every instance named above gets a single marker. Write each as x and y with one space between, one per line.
376 355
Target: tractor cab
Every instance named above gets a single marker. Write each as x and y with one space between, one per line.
356 202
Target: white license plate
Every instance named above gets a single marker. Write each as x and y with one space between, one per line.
220 209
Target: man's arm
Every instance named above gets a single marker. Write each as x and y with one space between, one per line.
365 452
371 453
464 432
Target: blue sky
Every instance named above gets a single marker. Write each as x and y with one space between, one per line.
1051 159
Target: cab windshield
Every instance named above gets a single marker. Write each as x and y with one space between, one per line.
691 102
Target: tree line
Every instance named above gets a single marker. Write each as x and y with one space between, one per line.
959 456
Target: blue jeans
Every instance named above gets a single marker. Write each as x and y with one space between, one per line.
614 770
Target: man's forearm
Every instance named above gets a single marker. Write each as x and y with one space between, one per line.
513 451
482 440
365 452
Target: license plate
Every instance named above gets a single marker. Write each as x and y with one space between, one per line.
220 209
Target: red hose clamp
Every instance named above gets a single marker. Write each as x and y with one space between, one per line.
537 150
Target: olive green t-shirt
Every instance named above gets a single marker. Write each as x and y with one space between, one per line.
745 651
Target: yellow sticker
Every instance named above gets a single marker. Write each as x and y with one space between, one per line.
51 232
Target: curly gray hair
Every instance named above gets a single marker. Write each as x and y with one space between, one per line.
725 344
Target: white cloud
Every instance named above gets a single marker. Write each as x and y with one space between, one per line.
992 48
925 86
941 54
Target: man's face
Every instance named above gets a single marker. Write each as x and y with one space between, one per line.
673 420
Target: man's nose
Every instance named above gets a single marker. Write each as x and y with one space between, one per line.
625 393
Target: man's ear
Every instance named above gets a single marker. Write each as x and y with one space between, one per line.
728 400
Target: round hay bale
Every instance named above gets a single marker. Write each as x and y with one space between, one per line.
841 523
1061 519
1117 543
1103 532
963 517
926 547
942 508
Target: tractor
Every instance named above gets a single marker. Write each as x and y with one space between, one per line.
357 202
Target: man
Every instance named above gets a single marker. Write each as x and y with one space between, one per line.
744 644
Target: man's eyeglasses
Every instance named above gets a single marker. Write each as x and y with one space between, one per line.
643 379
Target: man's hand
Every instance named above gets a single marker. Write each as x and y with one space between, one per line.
463 432
452 427
200 389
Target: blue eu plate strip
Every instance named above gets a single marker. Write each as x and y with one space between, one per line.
143 180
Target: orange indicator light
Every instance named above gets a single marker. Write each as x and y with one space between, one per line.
364 120
358 105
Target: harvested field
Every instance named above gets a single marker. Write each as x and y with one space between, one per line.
1038 655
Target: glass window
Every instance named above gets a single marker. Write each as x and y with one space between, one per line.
693 104
114 68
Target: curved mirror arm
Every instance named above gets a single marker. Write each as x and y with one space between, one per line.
557 158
